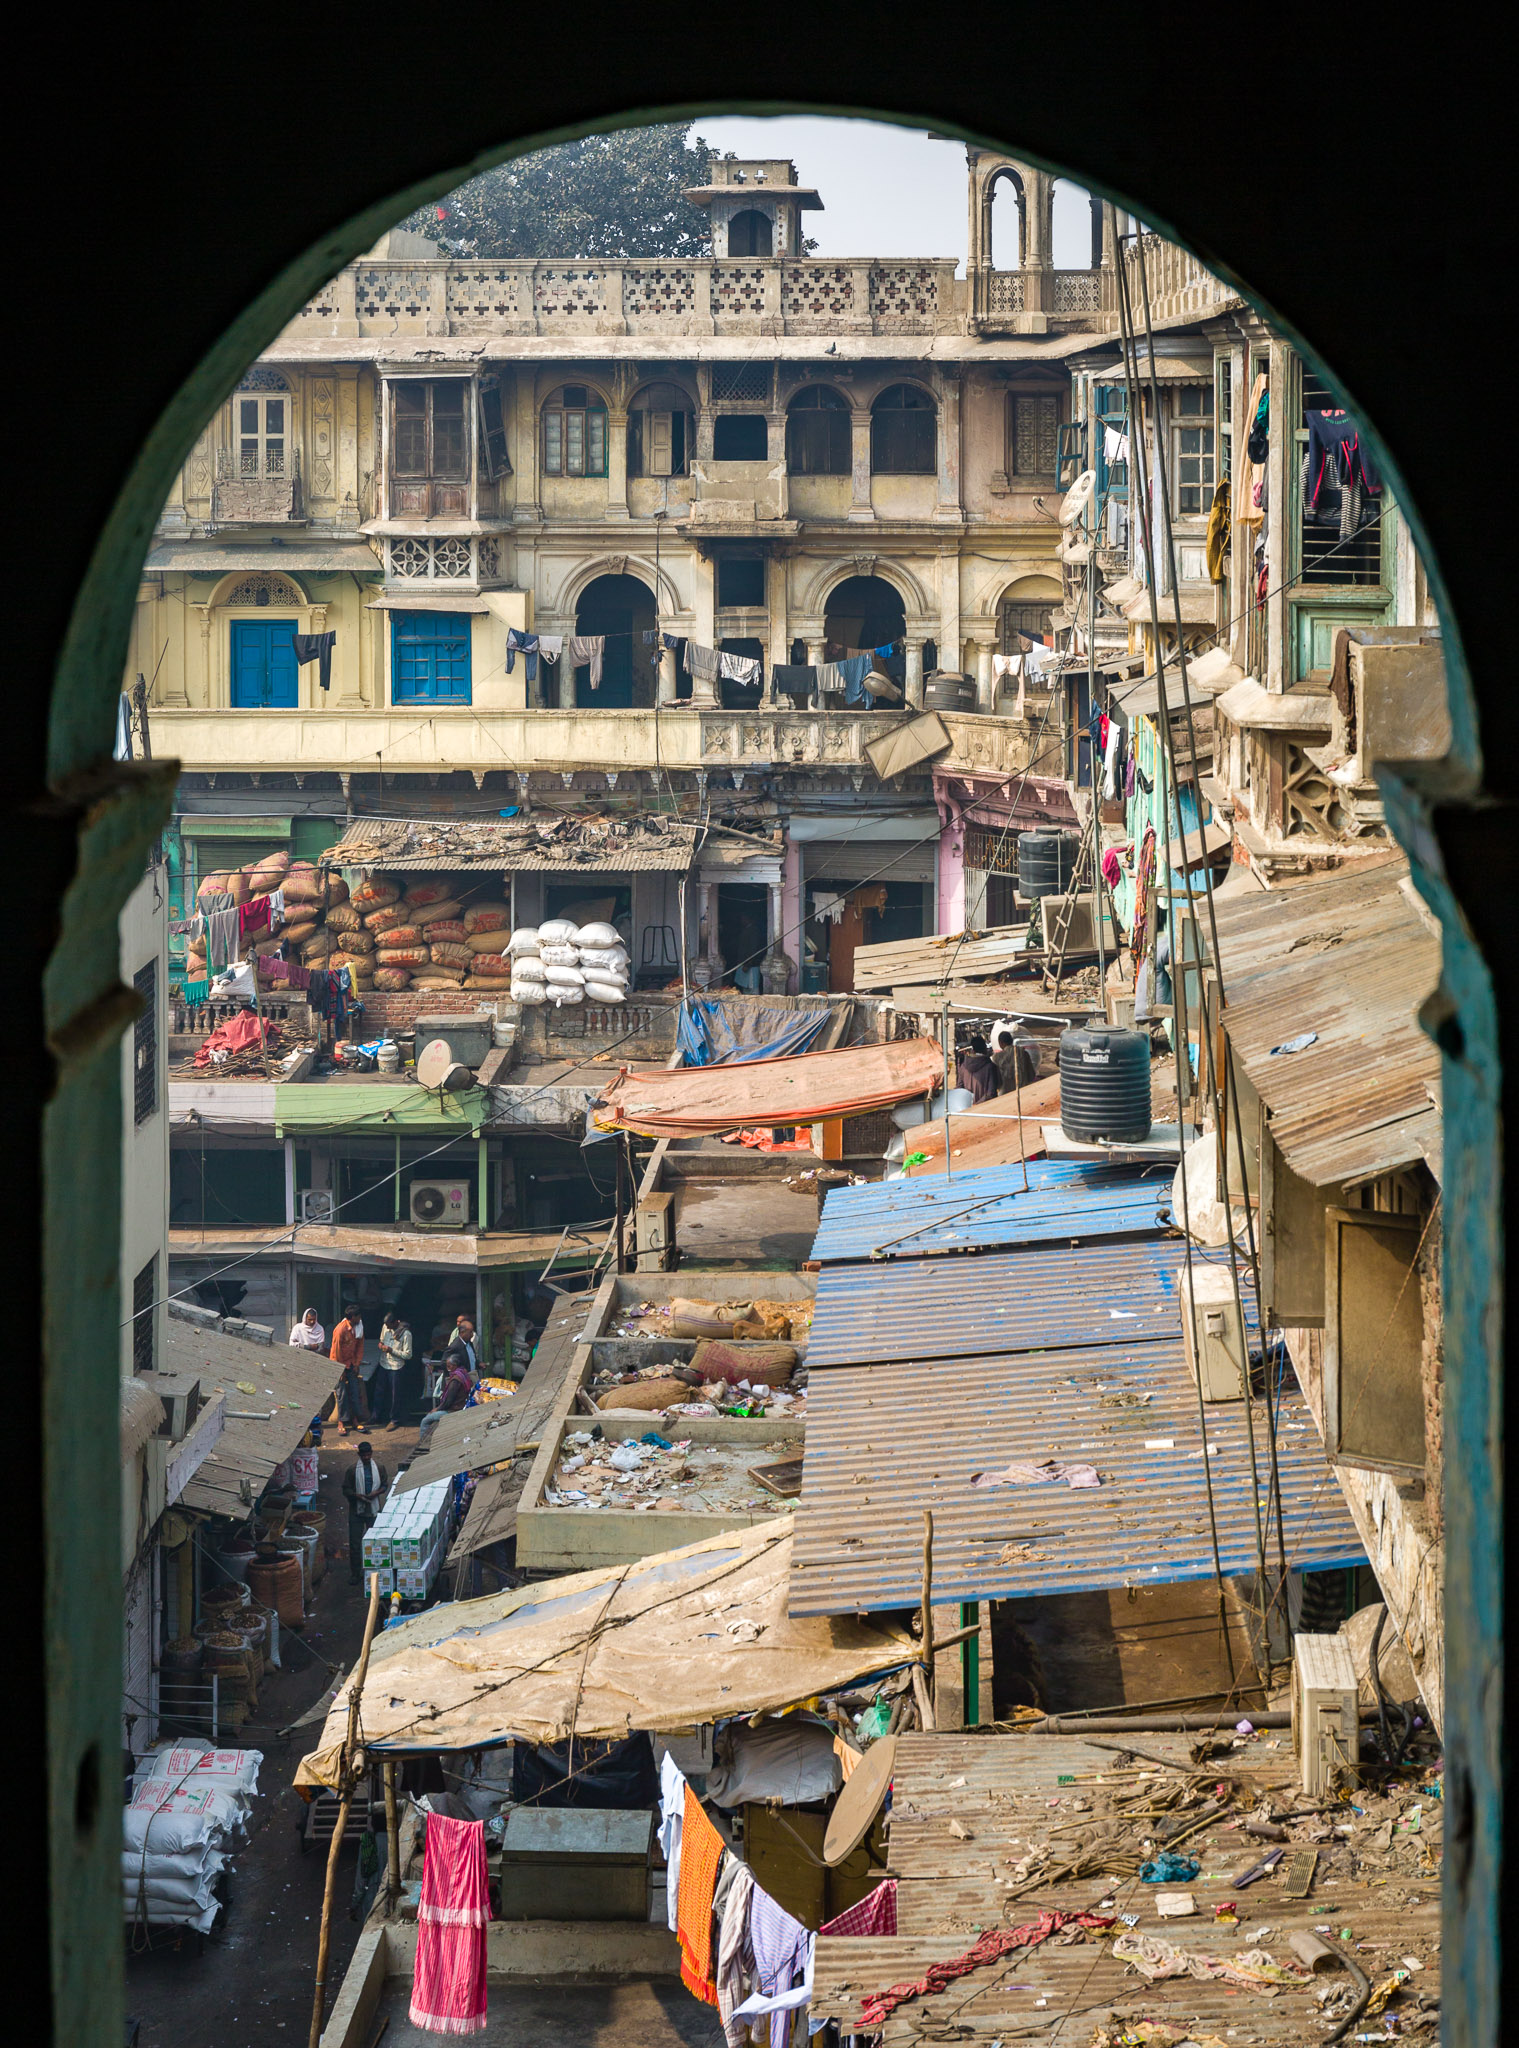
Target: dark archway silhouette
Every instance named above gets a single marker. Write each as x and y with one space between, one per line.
255 229
621 610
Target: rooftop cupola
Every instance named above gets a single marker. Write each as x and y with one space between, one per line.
754 205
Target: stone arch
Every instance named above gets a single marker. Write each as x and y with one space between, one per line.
259 587
1006 209
916 602
1026 605
667 598
1075 240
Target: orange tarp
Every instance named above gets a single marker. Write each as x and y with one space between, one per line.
976 1141
807 1088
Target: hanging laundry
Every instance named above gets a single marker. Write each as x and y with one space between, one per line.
448 1985
315 647
703 664
1111 749
830 678
1115 446
585 650
196 992
1259 439
221 937
782 1965
253 917
1112 868
854 669
1336 473
793 679
672 1809
526 644
701 1851
1128 773
875 1915
1251 471
735 1952
739 668
550 646
1216 545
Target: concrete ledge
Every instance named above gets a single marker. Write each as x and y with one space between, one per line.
351 2019
562 1950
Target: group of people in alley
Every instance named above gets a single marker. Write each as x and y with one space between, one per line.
368 1395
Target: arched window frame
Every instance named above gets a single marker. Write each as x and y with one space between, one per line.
819 432
897 450
758 215
574 437
262 427
661 438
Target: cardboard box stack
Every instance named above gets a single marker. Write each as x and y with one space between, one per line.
409 1539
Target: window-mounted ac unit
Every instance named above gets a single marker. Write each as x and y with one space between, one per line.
1213 1330
317 1205
1326 1715
440 1204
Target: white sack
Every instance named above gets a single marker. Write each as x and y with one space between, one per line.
561 995
205 1862
523 940
229 1770
558 931
527 967
613 958
170 1822
559 956
599 935
531 994
1203 1216
563 976
605 992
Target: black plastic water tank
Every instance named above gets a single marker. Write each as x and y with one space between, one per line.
1105 1084
946 691
1046 863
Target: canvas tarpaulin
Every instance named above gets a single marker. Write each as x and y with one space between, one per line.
646 1645
709 1034
699 1102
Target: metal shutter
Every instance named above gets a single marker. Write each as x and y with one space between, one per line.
884 860
139 1676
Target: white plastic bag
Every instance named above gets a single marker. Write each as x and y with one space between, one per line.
605 992
169 1822
601 935
527 967
523 940
559 996
559 956
563 976
531 994
558 931
152 1868
229 1770
613 958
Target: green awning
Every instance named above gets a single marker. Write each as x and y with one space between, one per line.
371 1107
193 826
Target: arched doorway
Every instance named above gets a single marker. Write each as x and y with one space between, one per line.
1026 607
863 613
620 609
749 233
1008 225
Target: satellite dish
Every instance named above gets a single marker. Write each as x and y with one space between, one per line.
1078 497
437 1067
864 1794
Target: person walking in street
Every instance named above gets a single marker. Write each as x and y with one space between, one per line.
395 1357
308 1333
363 1484
348 1351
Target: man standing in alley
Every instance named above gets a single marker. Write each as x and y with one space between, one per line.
395 1356
347 1351
462 1349
363 1484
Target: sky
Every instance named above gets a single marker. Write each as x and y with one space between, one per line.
886 191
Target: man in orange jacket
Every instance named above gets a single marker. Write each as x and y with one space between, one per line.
347 1350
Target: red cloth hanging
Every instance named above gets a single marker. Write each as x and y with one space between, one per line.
448 1989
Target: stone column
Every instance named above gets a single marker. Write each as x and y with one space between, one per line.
704 627
775 455
667 678
915 675
528 509
985 701
617 465
948 506
566 670
860 507
778 625
791 911
951 876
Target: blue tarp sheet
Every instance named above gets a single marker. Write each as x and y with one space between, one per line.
709 1034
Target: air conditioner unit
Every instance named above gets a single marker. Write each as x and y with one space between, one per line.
317 1205
1326 1716
1213 1330
440 1204
654 1233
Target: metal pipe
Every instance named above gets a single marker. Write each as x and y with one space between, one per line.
1155 1724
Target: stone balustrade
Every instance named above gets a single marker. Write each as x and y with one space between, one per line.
770 295
1180 288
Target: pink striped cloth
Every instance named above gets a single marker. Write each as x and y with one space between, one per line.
448 1990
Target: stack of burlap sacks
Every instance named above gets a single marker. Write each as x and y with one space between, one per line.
425 938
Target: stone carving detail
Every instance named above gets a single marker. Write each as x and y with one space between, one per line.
451 558
323 307
1004 292
262 590
817 291
410 558
564 292
1078 291
445 561
490 556
389 293
905 296
738 289
658 294
482 294
260 379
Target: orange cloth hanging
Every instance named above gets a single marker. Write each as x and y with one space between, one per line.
701 1851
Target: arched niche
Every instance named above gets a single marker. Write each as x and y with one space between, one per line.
620 608
1075 239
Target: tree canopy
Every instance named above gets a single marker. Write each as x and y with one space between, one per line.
606 195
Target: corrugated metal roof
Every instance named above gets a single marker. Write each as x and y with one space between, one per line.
289 1387
966 1809
1065 1201
376 1106
1351 959
557 843
884 1442
1009 1301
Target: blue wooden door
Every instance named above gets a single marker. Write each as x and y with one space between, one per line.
263 665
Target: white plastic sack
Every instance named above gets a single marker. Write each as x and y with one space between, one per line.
1203 1215
167 1891
559 956
229 1770
605 992
531 994
528 967
613 958
558 931
206 1862
599 935
561 995
172 1916
563 975
523 940
169 1822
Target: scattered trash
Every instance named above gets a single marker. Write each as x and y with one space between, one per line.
1175 1905
1169 1868
1019 1474
1299 1044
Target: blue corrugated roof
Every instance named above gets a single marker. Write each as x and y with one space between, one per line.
1007 1301
886 1441
1065 1202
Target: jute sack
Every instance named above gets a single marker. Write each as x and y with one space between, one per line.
646 1394
391 979
438 977
351 941
408 957
492 967
400 935
337 891
451 930
492 940
268 873
425 892
430 913
383 920
375 894
359 967
762 1365
342 917
488 917
300 931
445 955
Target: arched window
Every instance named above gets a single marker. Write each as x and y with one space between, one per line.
659 431
1075 227
261 419
818 433
749 233
1005 224
575 432
902 424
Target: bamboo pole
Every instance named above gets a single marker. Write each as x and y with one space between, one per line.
346 1779
926 1607
392 1834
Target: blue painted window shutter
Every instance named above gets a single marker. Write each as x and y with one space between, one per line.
264 675
429 657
